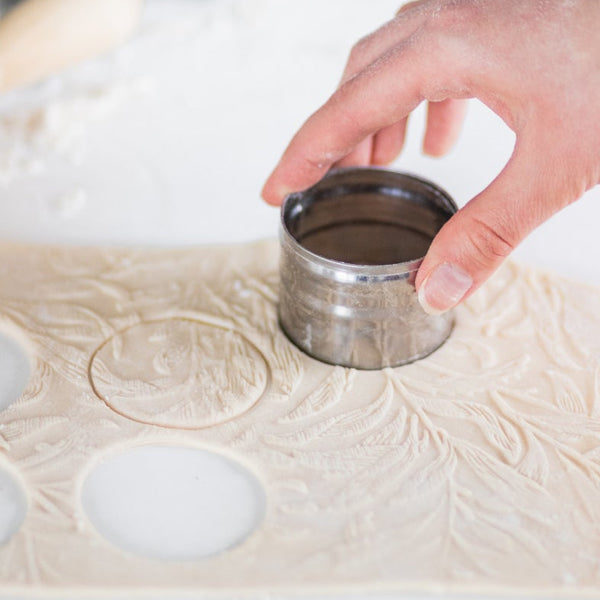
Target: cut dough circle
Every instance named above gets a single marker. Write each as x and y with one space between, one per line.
202 502
213 373
15 370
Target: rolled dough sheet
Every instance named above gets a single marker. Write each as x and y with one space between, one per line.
477 468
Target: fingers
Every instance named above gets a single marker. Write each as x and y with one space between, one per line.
387 143
473 244
306 160
382 94
360 156
444 123
379 149
368 49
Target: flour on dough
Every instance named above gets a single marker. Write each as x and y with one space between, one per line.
476 468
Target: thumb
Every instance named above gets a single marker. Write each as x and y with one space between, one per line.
477 239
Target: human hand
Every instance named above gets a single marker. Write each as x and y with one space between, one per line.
535 63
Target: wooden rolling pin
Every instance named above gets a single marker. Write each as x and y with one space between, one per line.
42 37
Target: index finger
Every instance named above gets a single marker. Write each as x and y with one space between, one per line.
383 93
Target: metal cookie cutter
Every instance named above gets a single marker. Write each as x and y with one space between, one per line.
351 247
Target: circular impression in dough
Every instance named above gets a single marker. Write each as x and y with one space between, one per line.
178 373
172 502
14 370
13 506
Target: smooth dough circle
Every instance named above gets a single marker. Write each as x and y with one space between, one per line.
214 374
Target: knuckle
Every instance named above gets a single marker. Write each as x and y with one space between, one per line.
315 160
318 156
409 6
488 242
362 45
450 27
455 16
358 51
347 111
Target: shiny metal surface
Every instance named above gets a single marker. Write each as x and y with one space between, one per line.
351 247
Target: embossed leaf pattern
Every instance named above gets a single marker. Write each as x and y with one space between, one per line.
179 373
326 395
458 441
344 424
479 465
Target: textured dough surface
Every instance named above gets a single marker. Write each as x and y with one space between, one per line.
476 468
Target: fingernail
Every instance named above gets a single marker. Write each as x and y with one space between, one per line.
444 288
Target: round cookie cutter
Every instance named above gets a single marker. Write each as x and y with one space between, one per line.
351 246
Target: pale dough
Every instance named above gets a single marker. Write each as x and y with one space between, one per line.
476 468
